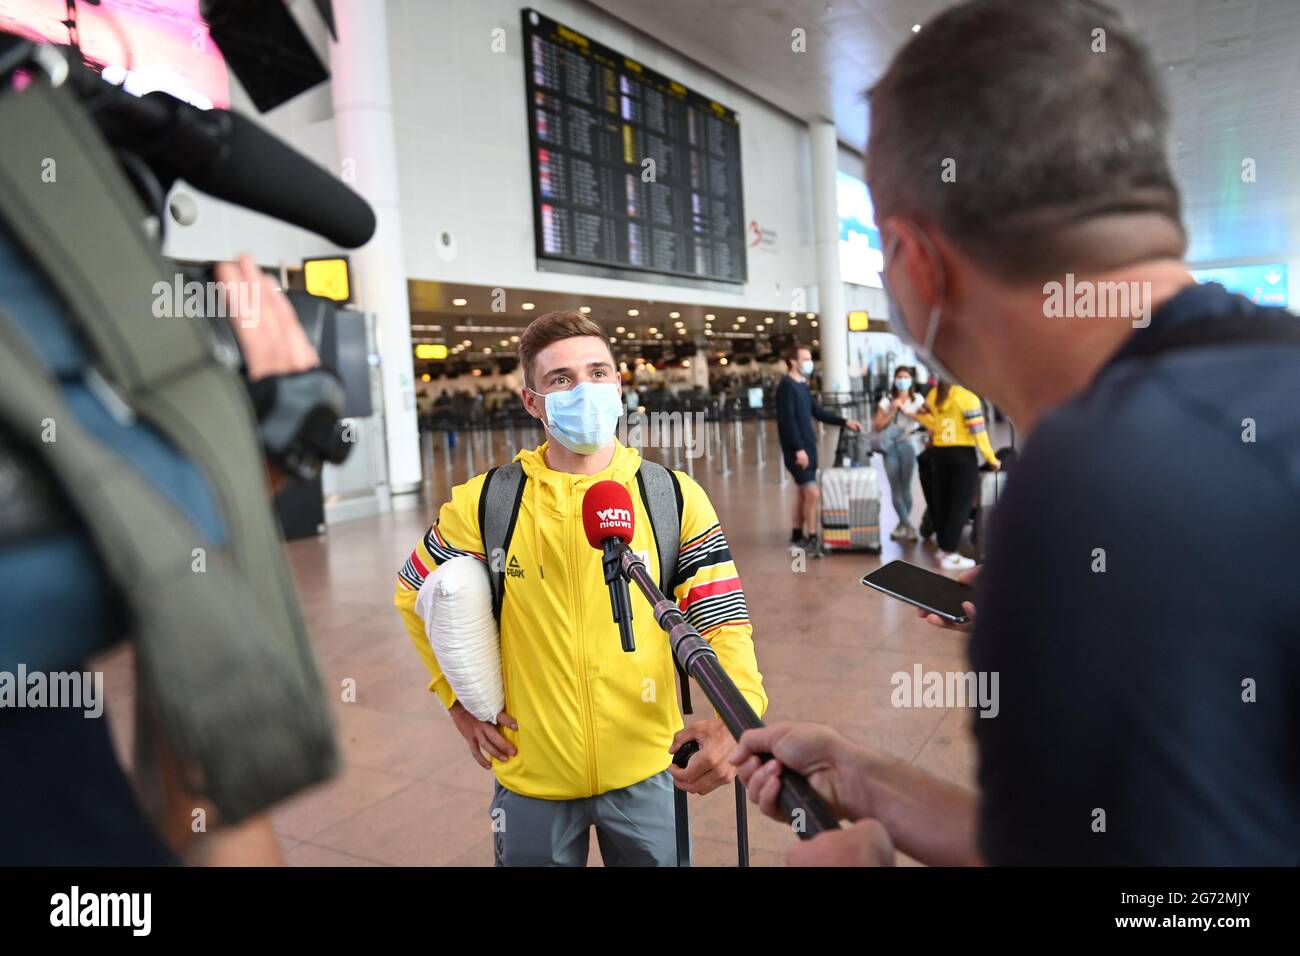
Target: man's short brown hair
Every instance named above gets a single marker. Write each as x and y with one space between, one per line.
791 355
550 328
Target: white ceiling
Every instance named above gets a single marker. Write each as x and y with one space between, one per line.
1232 69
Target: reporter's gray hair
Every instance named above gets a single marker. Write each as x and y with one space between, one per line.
1042 130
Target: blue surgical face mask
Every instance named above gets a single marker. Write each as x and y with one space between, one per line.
902 384
583 419
898 323
806 368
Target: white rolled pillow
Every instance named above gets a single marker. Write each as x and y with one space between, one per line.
455 603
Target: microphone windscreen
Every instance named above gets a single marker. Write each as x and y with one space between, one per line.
264 173
607 513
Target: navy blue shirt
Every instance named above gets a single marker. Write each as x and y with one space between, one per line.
795 410
69 802
39 624
1158 698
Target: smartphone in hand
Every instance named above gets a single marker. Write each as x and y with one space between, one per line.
928 590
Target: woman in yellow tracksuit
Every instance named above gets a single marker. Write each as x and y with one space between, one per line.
591 718
954 416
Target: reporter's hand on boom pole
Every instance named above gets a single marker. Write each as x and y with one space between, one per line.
821 754
865 843
930 820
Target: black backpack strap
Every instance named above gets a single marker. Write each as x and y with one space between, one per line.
498 510
1235 330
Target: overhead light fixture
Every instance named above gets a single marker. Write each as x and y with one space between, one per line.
528 307
460 301
633 312
652 330
769 320
916 28
515 338
810 315
794 321
708 316
584 309
814 323
486 350
621 329
674 315
741 319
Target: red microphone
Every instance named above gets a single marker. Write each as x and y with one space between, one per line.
607 519
607 513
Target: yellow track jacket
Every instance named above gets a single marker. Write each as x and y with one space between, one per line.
958 422
591 717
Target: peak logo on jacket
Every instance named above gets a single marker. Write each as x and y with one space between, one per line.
513 570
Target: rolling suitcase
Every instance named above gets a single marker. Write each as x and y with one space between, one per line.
850 518
991 488
853 449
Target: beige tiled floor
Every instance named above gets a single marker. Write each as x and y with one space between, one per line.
409 794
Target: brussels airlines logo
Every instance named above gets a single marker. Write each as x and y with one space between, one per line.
614 518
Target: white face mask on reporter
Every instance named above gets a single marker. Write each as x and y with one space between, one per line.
898 322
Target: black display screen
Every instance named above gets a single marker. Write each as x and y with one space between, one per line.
595 119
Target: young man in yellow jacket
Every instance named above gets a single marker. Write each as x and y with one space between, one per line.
588 731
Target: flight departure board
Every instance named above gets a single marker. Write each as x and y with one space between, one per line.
631 170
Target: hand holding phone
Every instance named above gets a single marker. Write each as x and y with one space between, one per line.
967 578
939 599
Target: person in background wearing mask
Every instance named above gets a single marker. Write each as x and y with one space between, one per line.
795 410
588 730
1133 726
954 417
894 421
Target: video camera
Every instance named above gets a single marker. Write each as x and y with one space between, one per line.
160 139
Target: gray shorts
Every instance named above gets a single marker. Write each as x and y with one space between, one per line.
635 826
